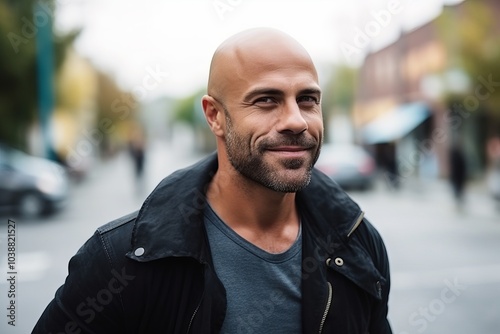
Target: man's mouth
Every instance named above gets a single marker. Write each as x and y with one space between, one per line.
290 151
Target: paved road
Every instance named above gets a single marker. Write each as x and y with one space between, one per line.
445 263
45 246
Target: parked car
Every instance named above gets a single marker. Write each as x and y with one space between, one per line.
349 165
30 186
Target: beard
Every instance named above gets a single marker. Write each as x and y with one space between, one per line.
286 175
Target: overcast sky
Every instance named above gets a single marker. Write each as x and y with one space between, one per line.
130 38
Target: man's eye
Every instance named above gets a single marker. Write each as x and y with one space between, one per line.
264 100
309 100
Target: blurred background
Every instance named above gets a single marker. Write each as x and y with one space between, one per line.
99 100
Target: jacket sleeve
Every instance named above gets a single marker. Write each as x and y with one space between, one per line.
90 299
375 245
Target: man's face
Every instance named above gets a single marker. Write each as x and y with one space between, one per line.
274 126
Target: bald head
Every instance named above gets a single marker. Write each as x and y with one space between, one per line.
264 107
250 51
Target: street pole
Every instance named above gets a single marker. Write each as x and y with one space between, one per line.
45 77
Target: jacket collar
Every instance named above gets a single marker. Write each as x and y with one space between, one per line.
170 222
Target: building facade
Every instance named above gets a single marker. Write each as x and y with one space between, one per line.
403 102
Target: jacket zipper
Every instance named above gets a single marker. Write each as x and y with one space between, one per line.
194 313
356 224
327 308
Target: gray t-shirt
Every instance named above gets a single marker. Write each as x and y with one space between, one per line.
263 289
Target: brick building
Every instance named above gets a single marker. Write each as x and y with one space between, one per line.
400 107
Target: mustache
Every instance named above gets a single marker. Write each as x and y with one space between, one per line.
288 140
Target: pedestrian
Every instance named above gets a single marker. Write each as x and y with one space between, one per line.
494 182
137 151
136 148
389 164
252 238
458 172
493 176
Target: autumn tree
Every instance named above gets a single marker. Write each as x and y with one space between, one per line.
117 113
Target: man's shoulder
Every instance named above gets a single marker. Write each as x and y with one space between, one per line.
117 234
119 225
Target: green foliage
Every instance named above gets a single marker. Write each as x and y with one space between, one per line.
340 90
186 110
471 38
18 78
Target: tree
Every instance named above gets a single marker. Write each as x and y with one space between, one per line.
470 35
471 38
341 89
117 113
339 93
188 110
19 24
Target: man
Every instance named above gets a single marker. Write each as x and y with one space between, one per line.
251 239
458 172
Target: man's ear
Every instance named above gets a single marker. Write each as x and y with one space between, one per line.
213 115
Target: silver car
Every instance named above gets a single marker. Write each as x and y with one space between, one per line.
30 186
349 165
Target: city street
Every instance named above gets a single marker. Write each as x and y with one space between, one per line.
445 261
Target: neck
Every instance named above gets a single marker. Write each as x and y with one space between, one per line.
264 217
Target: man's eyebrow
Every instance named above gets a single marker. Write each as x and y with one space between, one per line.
262 91
277 92
310 91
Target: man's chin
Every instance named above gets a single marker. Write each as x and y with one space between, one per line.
278 162
294 164
291 180
288 187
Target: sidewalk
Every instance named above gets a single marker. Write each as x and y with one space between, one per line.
438 193
110 188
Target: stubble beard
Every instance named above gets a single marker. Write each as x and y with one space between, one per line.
252 165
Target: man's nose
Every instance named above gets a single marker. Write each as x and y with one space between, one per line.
291 119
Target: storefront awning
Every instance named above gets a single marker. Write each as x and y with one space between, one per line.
395 124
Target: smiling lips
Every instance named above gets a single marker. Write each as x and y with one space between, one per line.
290 151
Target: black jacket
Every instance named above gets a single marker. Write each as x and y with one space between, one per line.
152 272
